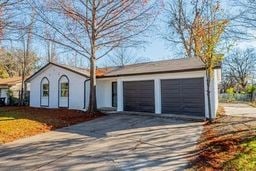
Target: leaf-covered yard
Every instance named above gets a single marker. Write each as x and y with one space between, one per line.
20 122
227 144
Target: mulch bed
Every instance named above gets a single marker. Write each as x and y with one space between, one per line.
221 141
22 122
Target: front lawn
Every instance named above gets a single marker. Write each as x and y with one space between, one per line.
20 122
229 143
246 159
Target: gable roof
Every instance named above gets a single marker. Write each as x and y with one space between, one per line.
79 71
10 81
155 67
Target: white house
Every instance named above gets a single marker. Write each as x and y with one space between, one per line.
168 86
10 86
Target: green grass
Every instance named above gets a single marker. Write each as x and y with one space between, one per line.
245 160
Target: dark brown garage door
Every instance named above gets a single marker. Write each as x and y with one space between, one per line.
183 96
139 96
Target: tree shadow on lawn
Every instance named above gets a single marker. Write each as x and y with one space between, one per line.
122 141
21 122
55 118
221 141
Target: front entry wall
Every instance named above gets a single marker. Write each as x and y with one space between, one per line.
53 74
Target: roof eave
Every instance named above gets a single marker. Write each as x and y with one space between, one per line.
158 72
50 63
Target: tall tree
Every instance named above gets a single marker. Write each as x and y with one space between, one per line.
93 28
25 61
7 15
206 34
124 56
247 16
181 15
198 27
239 66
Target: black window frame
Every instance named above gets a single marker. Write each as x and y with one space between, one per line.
114 94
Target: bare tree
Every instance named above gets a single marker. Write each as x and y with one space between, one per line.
198 27
243 20
25 37
247 16
124 56
239 66
50 46
93 28
7 16
181 16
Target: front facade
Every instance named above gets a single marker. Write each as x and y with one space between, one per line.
152 89
56 87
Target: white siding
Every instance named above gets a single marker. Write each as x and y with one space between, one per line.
53 73
104 88
4 93
103 93
194 74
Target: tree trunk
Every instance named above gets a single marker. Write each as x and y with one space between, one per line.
208 82
92 108
22 89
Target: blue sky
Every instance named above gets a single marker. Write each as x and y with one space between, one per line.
157 48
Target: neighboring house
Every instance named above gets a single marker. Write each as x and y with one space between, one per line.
169 86
8 85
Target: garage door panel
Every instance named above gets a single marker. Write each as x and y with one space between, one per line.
191 92
192 100
191 81
139 96
183 96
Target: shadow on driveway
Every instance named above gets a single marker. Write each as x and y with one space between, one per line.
113 142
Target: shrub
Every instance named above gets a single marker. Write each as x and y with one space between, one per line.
230 91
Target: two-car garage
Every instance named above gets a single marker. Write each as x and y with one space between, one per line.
178 96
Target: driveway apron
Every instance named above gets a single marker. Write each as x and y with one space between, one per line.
112 142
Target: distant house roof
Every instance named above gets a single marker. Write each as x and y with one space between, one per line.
10 81
164 66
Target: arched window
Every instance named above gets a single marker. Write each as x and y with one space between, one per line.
63 91
44 92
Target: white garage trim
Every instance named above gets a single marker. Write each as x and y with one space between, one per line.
158 77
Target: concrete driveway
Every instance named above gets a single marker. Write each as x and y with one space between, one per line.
113 142
239 109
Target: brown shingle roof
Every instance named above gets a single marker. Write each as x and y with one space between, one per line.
10 81
164 66
82 71
174 65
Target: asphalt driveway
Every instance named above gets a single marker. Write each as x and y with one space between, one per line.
113 142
